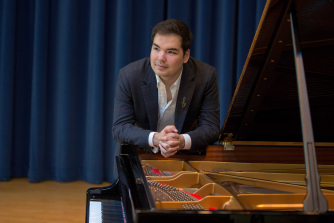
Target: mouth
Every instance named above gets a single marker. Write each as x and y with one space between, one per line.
160 66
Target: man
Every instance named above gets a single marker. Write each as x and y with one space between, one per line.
168 102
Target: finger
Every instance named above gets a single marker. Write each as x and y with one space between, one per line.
170 129
170 154
172 143
169 144
164 155
163 151
166 131
166 146
173 150
169 138
172 135
164 138
162 148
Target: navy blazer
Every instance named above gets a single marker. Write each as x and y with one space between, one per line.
136 104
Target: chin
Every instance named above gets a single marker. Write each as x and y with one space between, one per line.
160 73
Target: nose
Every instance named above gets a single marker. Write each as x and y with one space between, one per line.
162 56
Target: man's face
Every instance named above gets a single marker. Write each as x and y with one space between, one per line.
167 56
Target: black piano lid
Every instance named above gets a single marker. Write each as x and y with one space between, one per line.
265 105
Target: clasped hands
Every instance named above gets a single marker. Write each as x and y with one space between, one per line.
169 141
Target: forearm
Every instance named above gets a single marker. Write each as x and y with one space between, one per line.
208 122
131 134
203 136
125 129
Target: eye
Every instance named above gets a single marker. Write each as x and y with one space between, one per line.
156 48
171 52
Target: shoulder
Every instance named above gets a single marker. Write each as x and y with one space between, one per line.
137 67
199 70
133 74
197 63
199 67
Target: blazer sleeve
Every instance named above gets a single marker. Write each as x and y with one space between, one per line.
124 128
208 130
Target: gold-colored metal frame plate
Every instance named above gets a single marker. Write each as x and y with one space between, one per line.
278 202
210 166
168 165
288 178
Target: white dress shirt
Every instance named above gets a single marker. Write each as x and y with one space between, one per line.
166 114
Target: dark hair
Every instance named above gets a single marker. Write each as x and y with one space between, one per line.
177 27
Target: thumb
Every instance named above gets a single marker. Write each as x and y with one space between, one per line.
170 129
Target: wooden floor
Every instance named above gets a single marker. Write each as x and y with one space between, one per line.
49 201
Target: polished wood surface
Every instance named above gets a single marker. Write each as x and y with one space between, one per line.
253 153
49 201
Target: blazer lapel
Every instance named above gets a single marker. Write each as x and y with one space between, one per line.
186 91
150 94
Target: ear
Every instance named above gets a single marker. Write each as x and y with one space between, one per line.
186 56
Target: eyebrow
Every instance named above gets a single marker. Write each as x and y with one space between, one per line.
167 49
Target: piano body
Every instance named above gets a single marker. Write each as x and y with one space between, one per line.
257 173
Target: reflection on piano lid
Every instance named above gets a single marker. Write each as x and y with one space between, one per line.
265 105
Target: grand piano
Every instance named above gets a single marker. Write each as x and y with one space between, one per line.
275 159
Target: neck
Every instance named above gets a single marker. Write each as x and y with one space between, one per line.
169 82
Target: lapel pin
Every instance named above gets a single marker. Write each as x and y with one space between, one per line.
184 102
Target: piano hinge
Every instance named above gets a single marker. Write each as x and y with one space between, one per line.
228 142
